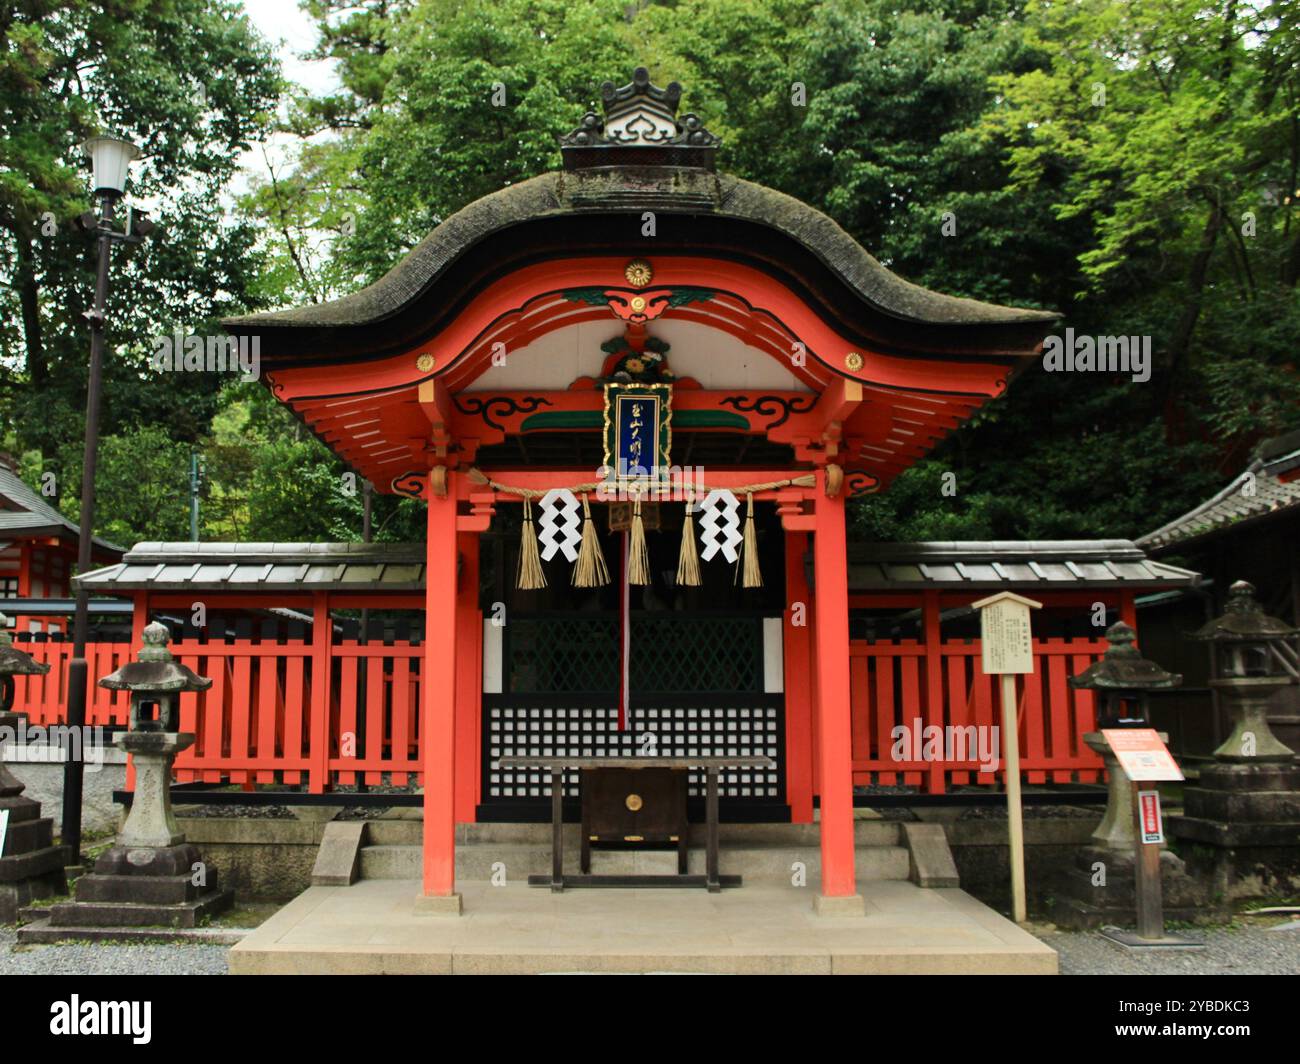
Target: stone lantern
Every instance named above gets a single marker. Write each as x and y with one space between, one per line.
1250 670
31 866
1244 812
151 876
1123 681
1100 885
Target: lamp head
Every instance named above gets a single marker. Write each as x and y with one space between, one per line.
110 159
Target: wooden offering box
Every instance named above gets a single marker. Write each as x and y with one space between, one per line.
634 805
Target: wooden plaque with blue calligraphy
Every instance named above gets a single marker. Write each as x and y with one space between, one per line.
638 429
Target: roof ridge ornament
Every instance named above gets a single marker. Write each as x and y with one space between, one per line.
639 127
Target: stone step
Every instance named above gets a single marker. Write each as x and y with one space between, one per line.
772 864
406 831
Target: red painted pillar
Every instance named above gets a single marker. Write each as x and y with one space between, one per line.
1128 609
439 692
933 680
322 640
469 679
798 695
835 754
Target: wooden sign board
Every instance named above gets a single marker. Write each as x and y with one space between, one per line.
1006 640
1141 754
638 430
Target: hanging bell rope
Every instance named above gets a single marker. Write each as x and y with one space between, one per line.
531 576
753 575
638 562
688 561
590 569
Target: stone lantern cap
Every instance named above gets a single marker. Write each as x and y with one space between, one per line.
1244 621
15 662
155 670
1122 667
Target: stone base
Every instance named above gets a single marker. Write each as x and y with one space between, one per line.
845 905
1265 793
1243 825
32 866
107 914
144 887
438 905
1077 905
21 893
39 932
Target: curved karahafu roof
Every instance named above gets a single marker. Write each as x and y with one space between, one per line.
552 253
583 198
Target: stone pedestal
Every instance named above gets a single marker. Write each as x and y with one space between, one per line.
151 877
1243 823
1099 887
31 866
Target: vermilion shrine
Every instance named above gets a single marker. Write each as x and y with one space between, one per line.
787 354
636 396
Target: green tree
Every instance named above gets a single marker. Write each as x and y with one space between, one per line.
192 83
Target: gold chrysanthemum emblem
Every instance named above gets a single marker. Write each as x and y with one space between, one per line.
638 273
853 362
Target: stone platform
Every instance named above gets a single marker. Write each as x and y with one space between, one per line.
371 927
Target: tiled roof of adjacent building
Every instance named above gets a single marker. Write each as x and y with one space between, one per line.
187 566
24 513
1264 490
1007 564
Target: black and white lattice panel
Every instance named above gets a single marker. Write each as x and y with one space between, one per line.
733 731
666 731
536 731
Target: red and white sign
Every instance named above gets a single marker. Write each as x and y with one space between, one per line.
1153 829
1141 754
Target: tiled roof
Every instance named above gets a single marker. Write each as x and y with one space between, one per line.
1008 564
263 567
1259 492
34 516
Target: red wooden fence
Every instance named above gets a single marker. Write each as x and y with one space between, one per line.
915 685
263 720
255 723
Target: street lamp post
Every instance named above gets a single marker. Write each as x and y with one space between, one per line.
110 160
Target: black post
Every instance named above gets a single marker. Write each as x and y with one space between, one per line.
77 667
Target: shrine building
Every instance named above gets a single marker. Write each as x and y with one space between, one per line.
637 396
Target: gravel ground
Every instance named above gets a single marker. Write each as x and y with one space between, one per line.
1228 951
108 959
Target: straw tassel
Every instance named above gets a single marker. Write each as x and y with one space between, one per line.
531 576
753 574
688 561
590 570
638 565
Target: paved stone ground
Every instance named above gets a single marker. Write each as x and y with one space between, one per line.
1236 951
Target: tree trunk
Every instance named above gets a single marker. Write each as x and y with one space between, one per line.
38 369
1181 340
